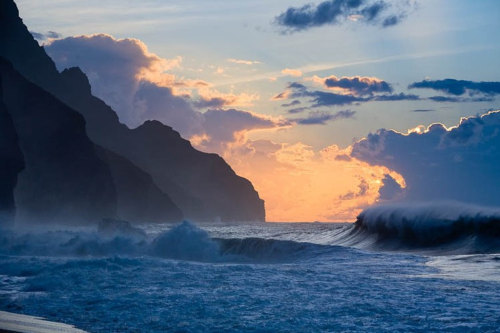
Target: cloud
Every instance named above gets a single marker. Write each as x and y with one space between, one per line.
423 110
459 87
298 110
438 163
291 72
221 127
333 12
321 180
49 35
452 99
321 98
138 85
209 97
321 118
392 20
357 85
396 97
390 190
444 99
292 103
243 62
346 91
363 188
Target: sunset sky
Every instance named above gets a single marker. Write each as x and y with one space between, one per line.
283 92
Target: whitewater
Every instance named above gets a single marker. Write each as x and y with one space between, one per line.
396 269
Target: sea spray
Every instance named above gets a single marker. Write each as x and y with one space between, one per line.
468 228
185 242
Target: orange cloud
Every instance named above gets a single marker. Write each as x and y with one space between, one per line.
291 72
208 94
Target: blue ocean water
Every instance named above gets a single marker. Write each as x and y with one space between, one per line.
259 277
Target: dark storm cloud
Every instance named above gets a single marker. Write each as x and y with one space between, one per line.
459 87
321 118
337 11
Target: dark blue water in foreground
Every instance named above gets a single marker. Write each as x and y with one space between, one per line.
246 277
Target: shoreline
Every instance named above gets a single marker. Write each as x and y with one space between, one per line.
19 323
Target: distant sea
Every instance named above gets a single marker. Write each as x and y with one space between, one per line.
255 277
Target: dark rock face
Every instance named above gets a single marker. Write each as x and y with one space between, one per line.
64 181
138 197
202 185
11 163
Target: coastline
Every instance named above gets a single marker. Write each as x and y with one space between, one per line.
18 323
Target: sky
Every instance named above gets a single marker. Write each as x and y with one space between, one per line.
286 91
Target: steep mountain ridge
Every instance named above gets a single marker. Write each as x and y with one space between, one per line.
202 185
64 181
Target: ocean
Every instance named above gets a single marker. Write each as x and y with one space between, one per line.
257 277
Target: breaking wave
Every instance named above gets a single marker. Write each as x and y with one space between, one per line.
444 227
185 241
437 228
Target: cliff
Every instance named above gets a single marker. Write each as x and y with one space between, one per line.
202 185
64 181
11 163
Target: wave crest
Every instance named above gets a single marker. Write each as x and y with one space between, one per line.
456 226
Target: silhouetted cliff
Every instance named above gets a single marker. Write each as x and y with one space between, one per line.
11 163
64 181
138 197
203 185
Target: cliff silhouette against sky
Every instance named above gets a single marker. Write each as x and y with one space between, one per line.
93 167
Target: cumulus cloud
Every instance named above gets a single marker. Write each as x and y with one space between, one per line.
333 12
390 190
438 163
221 127
138 85
459 87
321 118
